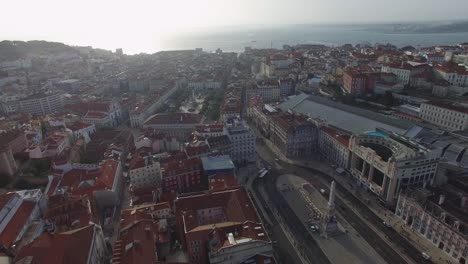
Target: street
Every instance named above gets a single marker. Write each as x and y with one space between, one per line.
386 241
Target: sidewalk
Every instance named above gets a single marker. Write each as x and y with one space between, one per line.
347 182
284 227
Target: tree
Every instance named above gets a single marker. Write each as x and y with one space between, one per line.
4 180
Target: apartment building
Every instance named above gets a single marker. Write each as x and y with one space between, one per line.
144 170
333 145
448 115
242 139
41 104
438 217
294 135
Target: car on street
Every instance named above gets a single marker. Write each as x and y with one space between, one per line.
322 191
386 224
263 174
314 228
425 256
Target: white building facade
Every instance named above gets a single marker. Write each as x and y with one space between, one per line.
334 146
146 173
41 104
432 222
403 75
243 140
385 166
446 115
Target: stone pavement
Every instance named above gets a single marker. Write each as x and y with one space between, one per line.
347 247
347 182
246 176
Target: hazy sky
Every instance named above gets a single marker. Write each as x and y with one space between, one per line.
102 21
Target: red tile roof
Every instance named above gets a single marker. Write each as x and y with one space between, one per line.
405 115
180 167
337 135
289 121
99 179
236 204
68 212
78 126
197 150
222 181
83 107
16 223
435 55
209 128
9 136
173 157
137 243
355 74
140 212
452 68
55 182
248 229
92 114
70 247
139 159
278 56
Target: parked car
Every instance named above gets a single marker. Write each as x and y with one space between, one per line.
386 224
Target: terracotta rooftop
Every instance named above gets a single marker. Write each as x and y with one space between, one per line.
452 68
78 126
70 247
85 181
235 203
209 128
140 212
278 56
68 212
197 150
94 114
337 135
355 74
7 137
137 243
181 166
222 181
140 159
290 121
174 118
16 223
83 107
242 232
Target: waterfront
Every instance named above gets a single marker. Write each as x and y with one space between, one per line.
235 39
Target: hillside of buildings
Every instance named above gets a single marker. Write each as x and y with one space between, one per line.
13 50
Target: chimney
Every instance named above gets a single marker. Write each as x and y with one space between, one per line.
441 199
